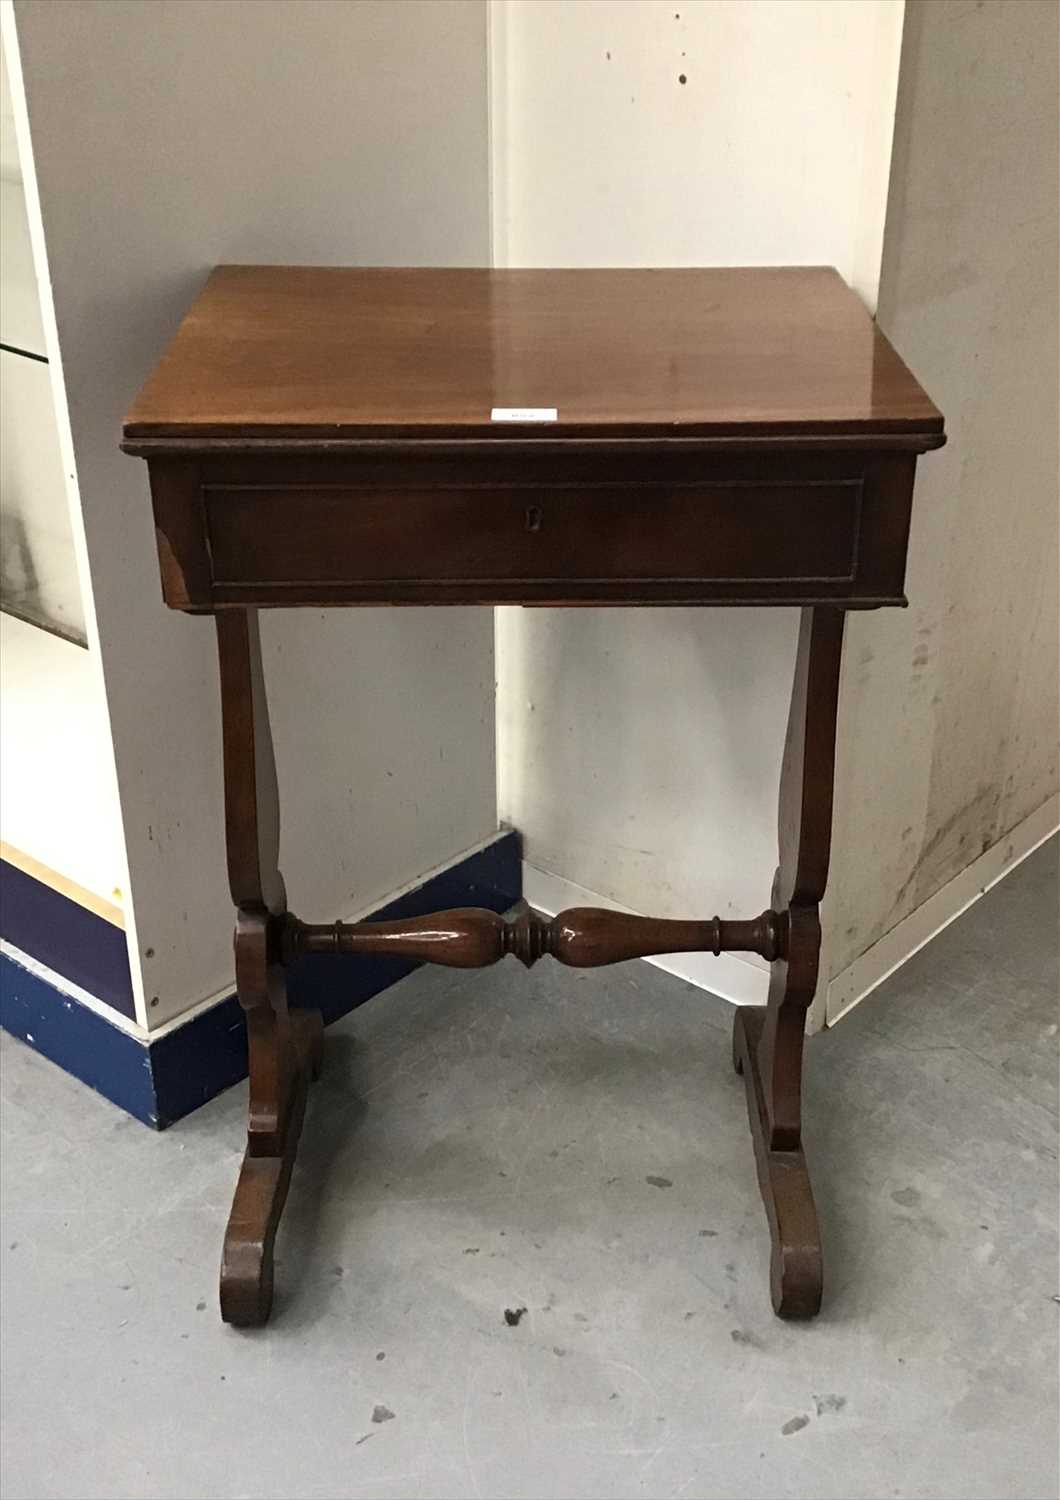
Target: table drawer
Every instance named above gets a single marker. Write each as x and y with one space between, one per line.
578 527
734 532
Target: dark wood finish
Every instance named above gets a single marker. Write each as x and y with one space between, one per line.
768 1050
331 352
323 436
795 1267
252 806
751 528
584 937
283 1048
501 536
261 1191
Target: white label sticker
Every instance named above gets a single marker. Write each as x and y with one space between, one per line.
524 414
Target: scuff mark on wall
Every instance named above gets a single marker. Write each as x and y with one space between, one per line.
949 742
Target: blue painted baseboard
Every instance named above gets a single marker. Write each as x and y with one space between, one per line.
161 1081
84 948
95 1050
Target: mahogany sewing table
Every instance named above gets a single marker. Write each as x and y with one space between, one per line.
648 437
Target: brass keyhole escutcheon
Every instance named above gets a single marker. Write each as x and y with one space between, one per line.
534 518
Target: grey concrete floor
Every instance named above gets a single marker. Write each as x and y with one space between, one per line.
574 1143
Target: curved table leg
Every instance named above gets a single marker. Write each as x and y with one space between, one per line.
247 1258
768 1042
795 1268
284 1045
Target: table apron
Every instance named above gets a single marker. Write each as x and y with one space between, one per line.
821 532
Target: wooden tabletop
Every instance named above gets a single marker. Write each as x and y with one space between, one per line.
334 353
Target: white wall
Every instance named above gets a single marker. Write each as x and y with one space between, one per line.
964 683
168 137
639 752
774 151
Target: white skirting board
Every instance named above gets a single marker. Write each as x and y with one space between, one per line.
910 935
743 979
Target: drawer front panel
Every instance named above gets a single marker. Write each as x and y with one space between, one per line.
739 532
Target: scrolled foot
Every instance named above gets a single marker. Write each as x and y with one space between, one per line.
247 1258
796 1272
796 1277
261 1192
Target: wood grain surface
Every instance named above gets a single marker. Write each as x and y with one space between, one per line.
331 352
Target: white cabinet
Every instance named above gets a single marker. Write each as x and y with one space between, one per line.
38 565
